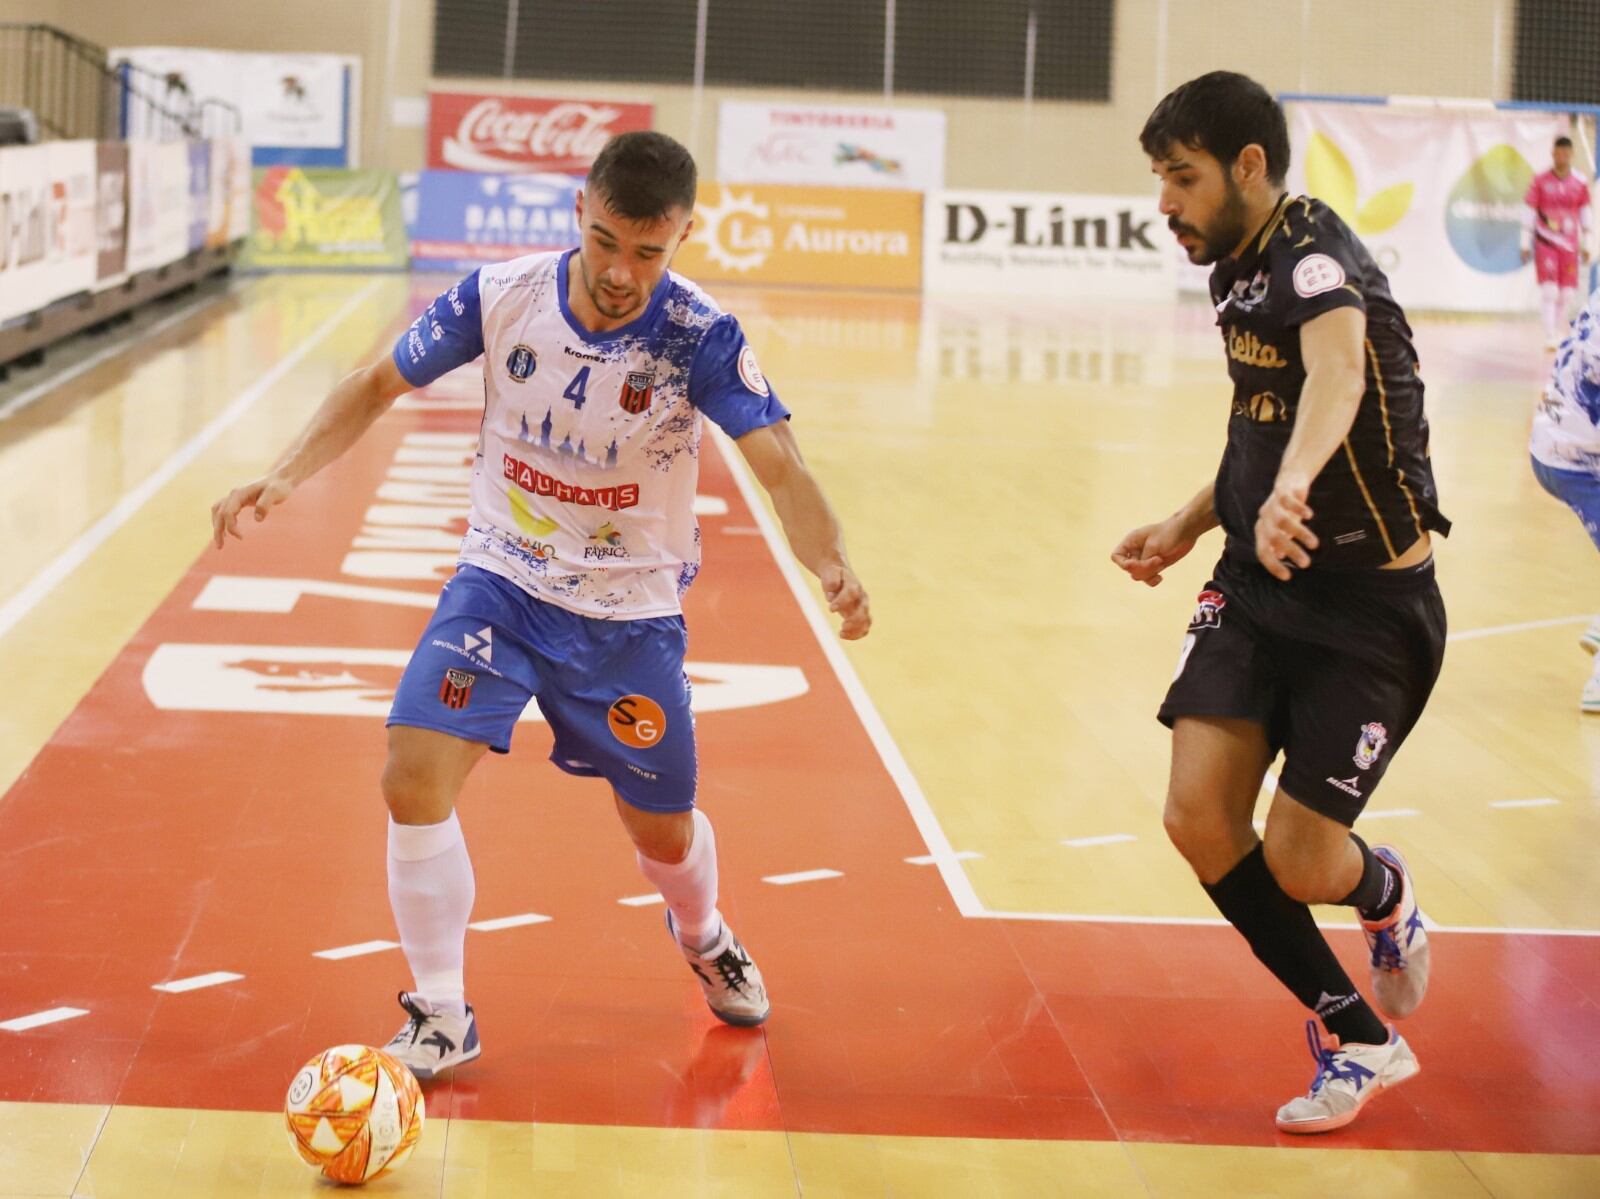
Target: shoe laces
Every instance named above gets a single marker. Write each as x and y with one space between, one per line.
1386 953
413 1029
730 964
1334 1064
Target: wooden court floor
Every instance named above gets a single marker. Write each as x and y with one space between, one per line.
991 973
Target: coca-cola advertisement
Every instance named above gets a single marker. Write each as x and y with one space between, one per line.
471 132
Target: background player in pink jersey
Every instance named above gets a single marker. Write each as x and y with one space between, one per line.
1556 236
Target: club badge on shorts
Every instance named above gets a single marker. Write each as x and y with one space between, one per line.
637 721
1208 610
456 690
1373 738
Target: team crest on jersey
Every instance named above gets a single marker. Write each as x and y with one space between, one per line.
521 363
1373 738
1208 610
635 396
456 689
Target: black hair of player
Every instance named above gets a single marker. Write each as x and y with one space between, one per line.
644 175
1221 113
1563 143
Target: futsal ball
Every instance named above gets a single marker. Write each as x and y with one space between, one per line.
354 1113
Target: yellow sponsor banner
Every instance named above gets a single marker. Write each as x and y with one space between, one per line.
827 236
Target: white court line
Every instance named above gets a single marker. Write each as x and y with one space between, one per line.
927 859
1523 803
74 556
39 1019
1218 922
801 876
179 985
933 835
955 879
1107 839
741 530
355 951
641 901
135 338
501 922
1525 626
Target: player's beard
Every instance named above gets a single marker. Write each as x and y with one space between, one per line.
608 308
1225 231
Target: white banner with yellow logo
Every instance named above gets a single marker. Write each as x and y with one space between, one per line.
1434 193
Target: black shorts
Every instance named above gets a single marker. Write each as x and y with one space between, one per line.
1336 667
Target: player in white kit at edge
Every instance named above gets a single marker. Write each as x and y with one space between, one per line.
599 364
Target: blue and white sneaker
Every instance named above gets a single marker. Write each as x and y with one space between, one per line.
433 1041
1347 1078
1401 957
733 988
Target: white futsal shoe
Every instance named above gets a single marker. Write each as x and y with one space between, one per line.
1401 956
1590 702
433 1041
1347 1079
1590 638
732 984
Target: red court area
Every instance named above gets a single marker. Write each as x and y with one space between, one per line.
208 808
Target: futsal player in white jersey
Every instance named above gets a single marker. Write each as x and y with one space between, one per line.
599 366
1565 446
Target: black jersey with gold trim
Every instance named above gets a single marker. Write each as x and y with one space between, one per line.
1376 495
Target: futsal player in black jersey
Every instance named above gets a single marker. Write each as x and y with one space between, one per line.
1321 631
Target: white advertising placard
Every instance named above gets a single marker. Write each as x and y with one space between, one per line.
293 100
831 145
1043 244
158 204
48 248
1436 194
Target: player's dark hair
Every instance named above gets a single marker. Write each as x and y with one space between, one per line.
1221 113
644 175
1563 143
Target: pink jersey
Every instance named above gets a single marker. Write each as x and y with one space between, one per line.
1559 205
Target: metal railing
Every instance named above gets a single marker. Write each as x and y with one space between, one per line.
75 92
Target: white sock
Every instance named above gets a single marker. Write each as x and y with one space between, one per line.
1549 306
431 891
1564 308
690 887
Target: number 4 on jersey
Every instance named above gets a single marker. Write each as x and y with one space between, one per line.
575 389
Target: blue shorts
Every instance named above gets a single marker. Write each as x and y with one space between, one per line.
614 691
1578 490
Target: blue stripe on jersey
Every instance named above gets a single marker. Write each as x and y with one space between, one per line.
448 334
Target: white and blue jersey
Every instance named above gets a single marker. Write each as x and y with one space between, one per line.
1566 427
583 488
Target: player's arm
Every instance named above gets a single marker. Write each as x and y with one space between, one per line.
351 407
1332 347
1150 549
808 522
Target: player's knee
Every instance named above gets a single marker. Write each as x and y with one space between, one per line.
413 792
1197 832
1302 878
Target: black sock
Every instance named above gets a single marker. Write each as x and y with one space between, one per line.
1379 889
1286 939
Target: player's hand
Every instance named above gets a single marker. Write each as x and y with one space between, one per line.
1527 255
1150 549
1282 536
264 494
847 597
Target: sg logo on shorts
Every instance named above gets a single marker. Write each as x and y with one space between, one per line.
456 689
637 720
